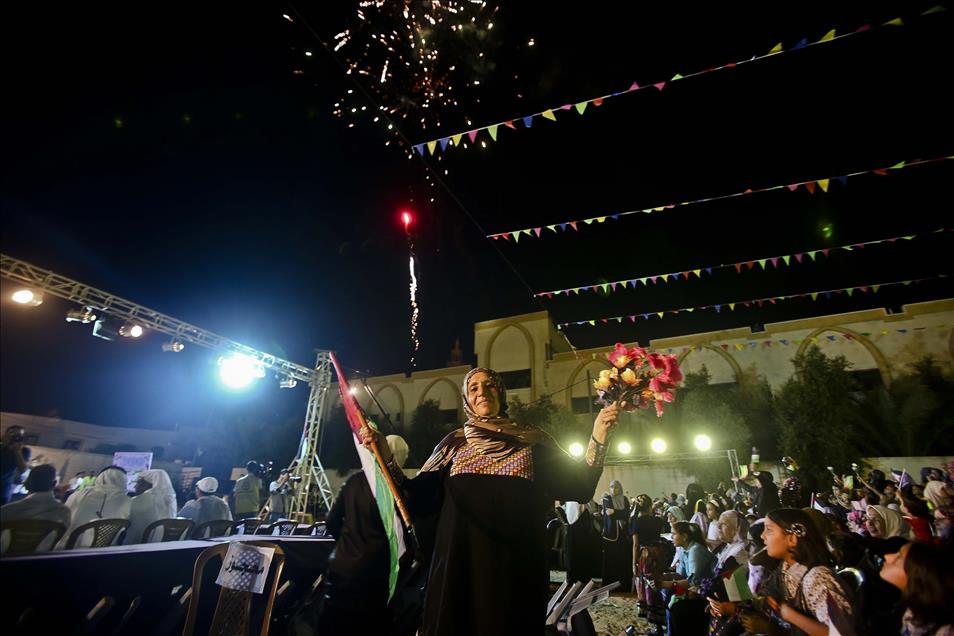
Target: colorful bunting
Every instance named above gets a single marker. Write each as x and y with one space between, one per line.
759 301
843 178
709 269
830 36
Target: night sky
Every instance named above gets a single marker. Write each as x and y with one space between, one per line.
172 155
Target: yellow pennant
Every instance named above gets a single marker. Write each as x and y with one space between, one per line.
431 145
776 49
828 37
456 139
823 184
548 114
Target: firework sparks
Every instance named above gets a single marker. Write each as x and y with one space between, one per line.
414 313
418 50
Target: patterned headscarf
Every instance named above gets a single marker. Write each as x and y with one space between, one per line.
496 436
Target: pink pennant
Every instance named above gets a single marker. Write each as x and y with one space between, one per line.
653 278
774 261
566 107
793 187
537 231
473 135
881 171
573 225
634 87
798 257
660 85
863 27
824 251
632 318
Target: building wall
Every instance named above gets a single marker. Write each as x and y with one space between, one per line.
54 432
872 340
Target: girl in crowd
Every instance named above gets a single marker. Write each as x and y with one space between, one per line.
925 575
713 510
686 614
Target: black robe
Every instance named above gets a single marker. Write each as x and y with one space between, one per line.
488 572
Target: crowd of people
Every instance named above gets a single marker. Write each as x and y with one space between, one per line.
872 559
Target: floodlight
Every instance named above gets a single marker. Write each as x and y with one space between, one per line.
288 383
658 445
237 371
27 297
85 315
703 442
576 449
175 346
131 330
624 448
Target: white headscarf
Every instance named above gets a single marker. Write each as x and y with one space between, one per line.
737 528
894 523
159 502
105 499
572 511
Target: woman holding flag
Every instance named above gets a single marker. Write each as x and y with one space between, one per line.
488 485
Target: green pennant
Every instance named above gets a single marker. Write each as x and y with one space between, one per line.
811 255
814 295
604 287
897 166
589 221
731 306
665 278
660 313
675 77
762 263
875 288
697 272
516 236
552 227
581 107
786 259
850 291
593 324
493 131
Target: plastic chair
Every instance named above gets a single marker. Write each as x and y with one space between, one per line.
233 609
216 528
26 536
285 528
247 526
106 532
317 529
172 530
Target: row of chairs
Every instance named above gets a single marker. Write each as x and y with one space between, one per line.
37 535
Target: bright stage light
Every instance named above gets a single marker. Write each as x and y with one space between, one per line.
288 383
576 449
703 442
130 330
27 297
237 371
624 448
175 346
658 445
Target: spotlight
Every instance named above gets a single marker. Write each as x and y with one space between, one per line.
288 383
658 445
353 390
130 330
703 442
237 371
576 449
85 315
175 346
624 448
27 297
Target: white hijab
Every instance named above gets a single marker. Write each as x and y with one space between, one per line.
159 502
105 499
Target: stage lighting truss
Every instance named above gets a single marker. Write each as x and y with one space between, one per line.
85 315
288 383
174 346
131 330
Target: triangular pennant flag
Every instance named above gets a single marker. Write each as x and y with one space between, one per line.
740 347
843 179
548 114
660 313
600 219
776 49
528 121
724 347
444 142
718 309
935 9
825 251
738 268
786 259
774 261
801 44
604 287
675 77
762 263
473 135
665 278
552 227
581 107
593 323
613 286
828 36
537 231
810 186
516 236
850 291
572 224
597 101
811 255
897 166
793 186
875 288
895 22
431 146
589 221
697 272
456 139
823 184
660 85
653 279
634 87
750 264
420 149
509 124
493 131
814 295
798 257
675 275
731 306
708 270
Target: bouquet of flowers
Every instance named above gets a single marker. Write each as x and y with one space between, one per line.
638 378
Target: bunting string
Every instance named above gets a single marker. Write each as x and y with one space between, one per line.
827 293
821 184
774 261
789 342
550 113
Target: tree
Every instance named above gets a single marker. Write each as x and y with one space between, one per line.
556 420
817 414
427 429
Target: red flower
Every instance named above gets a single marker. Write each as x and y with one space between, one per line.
620 357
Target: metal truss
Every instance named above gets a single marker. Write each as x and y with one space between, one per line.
729 455
308 467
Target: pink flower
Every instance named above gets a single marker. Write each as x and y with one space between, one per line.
667 364
620 356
